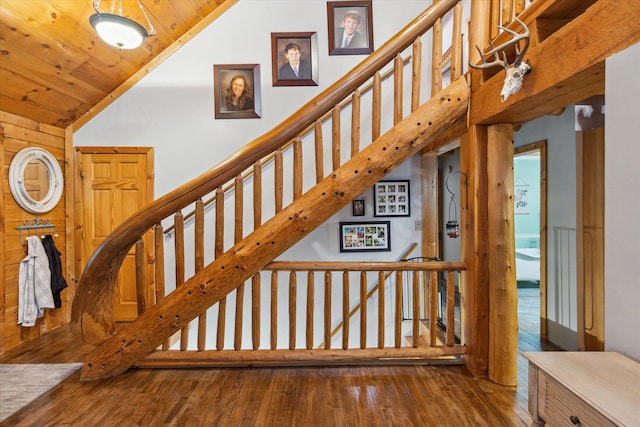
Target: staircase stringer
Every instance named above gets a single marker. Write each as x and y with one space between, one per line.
137 339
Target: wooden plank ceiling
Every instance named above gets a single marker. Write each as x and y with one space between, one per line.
53 66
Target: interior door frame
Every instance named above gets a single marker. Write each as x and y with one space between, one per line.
79 151
541 146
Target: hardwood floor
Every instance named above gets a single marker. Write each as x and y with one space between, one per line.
335 396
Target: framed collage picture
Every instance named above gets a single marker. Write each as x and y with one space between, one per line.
365 236
391 198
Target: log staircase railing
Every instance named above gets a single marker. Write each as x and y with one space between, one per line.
320 294
296 210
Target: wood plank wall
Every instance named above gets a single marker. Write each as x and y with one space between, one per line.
17 133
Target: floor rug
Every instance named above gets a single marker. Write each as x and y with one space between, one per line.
20 384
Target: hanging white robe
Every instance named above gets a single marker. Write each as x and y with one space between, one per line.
34 284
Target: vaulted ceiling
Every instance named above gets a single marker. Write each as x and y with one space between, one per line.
56 70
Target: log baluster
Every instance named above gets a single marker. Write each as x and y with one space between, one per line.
310 308
436 58
381 282
257 195
218 251
274 310
158 266
319 151
451 300
141 277
255 280
507 11
425 295
335 138
199 236
279 180
433 307
237 336
355 123
178 220
199 265
398 311
218 247
255 311
376 107
297 168
327 310
345 310
363 309
415 290
494 17
293 293
237 237
398 80
456 44
416 74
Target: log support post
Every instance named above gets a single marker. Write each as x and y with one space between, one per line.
474 291
503 292
489 290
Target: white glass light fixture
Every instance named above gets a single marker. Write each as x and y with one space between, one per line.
118 30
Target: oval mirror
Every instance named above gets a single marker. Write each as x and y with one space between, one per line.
35 179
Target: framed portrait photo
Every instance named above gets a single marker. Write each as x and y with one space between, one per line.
236 91
365 236
294 59
357 207
350 27
391 198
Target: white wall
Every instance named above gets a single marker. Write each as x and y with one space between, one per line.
622 204
559 133
449 166
172 108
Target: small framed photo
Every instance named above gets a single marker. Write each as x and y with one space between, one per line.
391 198
236 90
294 59
350 27
357 207
365 236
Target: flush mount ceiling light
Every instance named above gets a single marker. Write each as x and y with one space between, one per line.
118 30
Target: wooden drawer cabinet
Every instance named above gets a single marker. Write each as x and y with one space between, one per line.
584 389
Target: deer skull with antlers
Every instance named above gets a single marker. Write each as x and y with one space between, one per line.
515 72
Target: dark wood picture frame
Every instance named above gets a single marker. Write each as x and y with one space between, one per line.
365 236
307 46
361 43
223 75
357 207
391 198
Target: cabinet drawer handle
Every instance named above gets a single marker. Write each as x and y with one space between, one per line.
575 420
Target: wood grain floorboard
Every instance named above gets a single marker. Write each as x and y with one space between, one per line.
331 396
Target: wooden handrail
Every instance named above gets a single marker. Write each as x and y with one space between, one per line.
364 266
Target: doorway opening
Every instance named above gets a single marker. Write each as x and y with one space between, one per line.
530 194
